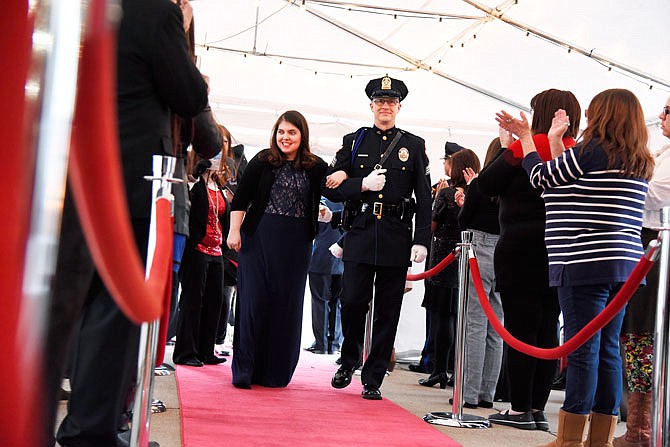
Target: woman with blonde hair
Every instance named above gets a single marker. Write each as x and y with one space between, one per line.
594 195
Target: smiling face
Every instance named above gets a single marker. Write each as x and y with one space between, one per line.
665 119
385 110
288 139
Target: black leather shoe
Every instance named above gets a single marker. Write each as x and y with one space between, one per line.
223 353
371 393
485 404
434 379
213 360
342 378
465 404
189 362
242 385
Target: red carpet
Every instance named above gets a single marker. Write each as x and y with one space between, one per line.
309 412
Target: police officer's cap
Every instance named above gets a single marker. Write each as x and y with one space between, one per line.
386 87
450 149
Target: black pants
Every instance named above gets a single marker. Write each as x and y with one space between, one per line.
104 354
199 306
357 292
531 315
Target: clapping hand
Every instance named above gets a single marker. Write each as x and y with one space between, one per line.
518 127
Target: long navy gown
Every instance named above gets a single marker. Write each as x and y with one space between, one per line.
272 275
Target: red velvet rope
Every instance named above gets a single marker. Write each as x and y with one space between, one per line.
613 308
20 366
437 269
95 149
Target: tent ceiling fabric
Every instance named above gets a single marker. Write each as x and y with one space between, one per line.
296 59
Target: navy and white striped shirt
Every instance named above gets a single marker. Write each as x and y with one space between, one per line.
594 216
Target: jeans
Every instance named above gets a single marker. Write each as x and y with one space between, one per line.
593 380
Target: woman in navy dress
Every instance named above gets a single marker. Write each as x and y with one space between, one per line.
273 222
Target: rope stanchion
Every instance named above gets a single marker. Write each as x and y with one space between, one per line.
107 228
456 418
437 269
613 308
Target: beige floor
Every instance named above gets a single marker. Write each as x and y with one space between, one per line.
402 388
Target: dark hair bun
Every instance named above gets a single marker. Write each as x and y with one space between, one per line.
201 167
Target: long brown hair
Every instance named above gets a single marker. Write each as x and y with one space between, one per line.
304 158
492 151
465 158
616 122
223 174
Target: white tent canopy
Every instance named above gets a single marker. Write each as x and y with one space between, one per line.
267 56
460 63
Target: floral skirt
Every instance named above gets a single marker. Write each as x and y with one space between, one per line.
639 351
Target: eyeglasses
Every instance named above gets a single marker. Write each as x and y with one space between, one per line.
387 101
666 110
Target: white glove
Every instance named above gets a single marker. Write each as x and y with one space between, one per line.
336 250
419 253
374 181
325 214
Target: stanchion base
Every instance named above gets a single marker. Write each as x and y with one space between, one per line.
451 420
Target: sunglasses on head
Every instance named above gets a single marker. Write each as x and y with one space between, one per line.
666 110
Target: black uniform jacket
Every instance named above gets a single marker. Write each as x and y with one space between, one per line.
386 241
156 76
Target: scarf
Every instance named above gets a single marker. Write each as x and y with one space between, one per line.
541 146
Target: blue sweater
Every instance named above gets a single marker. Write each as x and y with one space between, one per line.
594 216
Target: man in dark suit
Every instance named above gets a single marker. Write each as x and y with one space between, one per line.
385 167
155 75
325 281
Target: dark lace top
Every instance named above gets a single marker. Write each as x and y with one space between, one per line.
289 195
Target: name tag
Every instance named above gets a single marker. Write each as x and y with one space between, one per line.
362 155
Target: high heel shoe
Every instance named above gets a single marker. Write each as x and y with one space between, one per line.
440 378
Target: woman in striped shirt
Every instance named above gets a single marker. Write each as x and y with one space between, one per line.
594 197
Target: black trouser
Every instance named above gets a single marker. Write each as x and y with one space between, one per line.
104 356
531 315
199 306
357 292
444 331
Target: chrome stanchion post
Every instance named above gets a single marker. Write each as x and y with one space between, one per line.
456 418
660 419
163 171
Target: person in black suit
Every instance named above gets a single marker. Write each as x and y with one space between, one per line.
385 166
155 75
325 281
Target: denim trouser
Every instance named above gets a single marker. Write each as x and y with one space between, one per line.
593 381
483 345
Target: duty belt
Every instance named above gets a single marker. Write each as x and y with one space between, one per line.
380 209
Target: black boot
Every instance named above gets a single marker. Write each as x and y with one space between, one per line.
440 378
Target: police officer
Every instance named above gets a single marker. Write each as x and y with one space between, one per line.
385 167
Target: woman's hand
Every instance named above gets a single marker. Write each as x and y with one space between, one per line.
469 175
559 125
506 138
518 127
441 184
234 240
335 179
459 197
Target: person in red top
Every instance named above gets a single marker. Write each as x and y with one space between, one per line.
202 268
